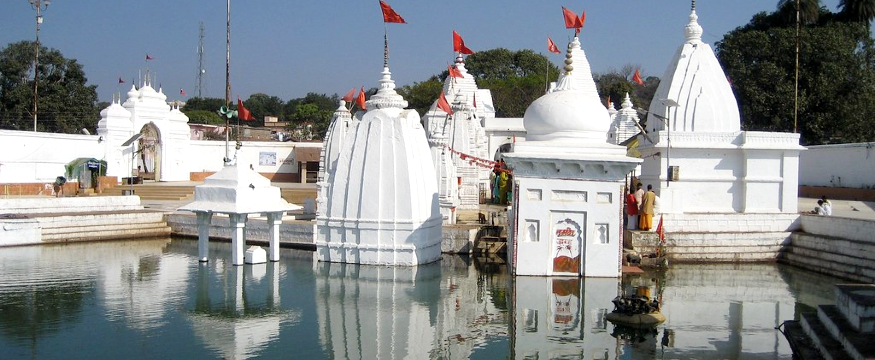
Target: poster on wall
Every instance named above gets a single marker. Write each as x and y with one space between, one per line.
267 158
566 245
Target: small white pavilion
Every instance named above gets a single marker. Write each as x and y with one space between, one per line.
568 182
378 197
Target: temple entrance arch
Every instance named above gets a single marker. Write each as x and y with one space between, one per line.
149 152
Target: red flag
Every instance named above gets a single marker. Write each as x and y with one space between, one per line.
360 101
181 92
475 100
148 57
661 231
242 112
444 105
389 15
571 19
582 18
454 72
637 77
459 44
551 46
120 81
348 97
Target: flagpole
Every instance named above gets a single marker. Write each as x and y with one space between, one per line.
227 159
547 76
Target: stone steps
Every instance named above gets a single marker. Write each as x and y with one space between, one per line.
844 330
155 192
850 259
713 246
103 226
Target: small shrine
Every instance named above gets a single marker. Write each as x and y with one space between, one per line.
567 182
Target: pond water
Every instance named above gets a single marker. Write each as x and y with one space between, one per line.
152 299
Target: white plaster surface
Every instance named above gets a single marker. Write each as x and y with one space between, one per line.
237 189
818 166
381 204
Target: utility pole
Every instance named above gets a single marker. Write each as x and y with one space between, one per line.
39 6
796 81
200 63
228 82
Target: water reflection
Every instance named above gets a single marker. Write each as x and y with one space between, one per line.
153 299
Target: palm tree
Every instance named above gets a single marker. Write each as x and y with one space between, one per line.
809 11
858 10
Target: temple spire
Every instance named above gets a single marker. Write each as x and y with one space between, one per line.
694 5
693 31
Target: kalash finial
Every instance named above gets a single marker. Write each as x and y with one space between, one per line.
385 50
568 60
694 5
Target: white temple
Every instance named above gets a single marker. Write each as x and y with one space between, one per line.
378 197
698 159
454 138
568 182
161 151
624 123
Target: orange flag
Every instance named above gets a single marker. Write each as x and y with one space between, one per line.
582 18
454 72
459 44
360 101
571 19
552 46
242 112
444 105
637 77
348 97
389 15
661 231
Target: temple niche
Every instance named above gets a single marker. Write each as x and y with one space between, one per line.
698 159
378 199
568 182
457 140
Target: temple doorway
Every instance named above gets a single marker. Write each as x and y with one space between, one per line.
149 153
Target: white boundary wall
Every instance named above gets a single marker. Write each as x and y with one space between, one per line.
30 157
840 165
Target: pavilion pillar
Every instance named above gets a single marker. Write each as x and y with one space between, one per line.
238 239
204 219
274 219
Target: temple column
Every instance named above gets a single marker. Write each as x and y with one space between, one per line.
274 219
238 239
204 219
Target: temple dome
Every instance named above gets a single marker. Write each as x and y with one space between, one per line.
569 112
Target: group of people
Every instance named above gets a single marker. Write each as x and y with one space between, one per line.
640 207
501 180
824 207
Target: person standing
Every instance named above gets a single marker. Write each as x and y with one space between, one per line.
645 216
631 210
639 196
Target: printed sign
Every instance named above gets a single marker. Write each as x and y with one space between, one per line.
267 158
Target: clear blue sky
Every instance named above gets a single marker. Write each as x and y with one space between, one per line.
288 48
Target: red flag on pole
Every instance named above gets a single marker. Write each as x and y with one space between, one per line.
637 77
360 101
475 100
444 105
551 46
661 231
582 19
571 19
181 91
389 15
148 57
348 97
459 44
242 112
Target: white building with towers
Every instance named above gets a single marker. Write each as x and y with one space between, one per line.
378 198
459 144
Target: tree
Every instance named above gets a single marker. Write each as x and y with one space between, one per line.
205 104
858 10
516 78
66 103
422 94
261 105
836 82
615 85
204 117
809 11
313 108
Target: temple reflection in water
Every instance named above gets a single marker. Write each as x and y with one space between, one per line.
156 295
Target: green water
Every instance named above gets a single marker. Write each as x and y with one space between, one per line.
152 299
